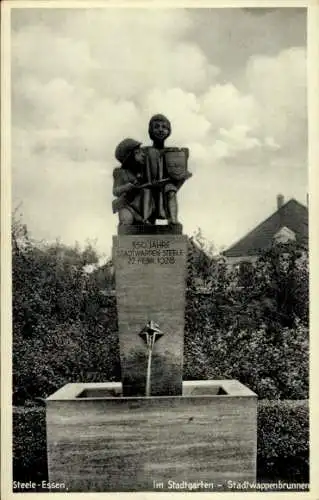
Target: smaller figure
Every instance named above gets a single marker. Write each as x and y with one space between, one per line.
129 202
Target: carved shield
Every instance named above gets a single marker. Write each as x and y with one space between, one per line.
176 162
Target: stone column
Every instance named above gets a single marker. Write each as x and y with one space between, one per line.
150 274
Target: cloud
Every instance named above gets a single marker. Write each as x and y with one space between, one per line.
225 104
280 89
84 79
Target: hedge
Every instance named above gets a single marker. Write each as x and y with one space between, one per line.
79 352
29 444
282 442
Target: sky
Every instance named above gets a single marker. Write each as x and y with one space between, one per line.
231 81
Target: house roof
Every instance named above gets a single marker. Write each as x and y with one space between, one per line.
292 215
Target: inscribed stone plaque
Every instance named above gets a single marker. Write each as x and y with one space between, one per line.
150 275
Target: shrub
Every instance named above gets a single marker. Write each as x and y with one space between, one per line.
64 329
251 324
72 352
283 440
274 366
29 445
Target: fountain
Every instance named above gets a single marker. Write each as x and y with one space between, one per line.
152 430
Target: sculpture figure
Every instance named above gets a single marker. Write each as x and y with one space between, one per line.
149 178
129 198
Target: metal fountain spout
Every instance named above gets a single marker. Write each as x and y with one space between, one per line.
150 334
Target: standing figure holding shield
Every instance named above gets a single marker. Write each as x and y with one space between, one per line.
167 166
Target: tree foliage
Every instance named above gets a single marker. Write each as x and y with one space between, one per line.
64 328
249 323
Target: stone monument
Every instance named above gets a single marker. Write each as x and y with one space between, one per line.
150 260
152 429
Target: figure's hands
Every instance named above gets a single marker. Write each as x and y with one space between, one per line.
133 185
161 182
186 176
125 188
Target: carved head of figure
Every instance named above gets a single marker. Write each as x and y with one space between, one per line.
128 152
159 129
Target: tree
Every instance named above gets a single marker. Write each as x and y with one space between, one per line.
63 328
251 323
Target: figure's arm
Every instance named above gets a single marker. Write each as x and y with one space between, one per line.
120 186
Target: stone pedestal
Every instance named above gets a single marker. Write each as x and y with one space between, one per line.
150 273
99 440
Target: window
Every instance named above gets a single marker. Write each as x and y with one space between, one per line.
284 235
